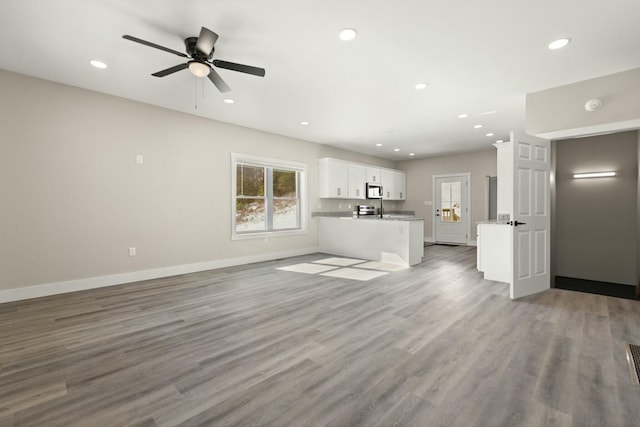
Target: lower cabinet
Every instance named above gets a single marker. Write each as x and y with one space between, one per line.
494 247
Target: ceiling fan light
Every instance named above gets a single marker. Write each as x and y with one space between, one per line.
199 69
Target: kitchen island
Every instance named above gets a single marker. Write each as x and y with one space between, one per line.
398 240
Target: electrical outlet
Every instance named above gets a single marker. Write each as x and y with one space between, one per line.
132 251
139 159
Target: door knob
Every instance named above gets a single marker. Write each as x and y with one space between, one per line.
516 223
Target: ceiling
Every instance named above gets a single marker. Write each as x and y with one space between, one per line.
478 58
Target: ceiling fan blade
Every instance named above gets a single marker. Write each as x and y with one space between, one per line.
206 40
157 46
240 67
217 80
170 70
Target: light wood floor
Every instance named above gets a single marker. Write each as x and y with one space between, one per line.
434 345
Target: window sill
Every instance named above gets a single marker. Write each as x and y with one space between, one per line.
267 234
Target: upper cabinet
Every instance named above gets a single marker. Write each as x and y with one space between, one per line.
334 179
388 179
373 174
356 184
339 179
401 186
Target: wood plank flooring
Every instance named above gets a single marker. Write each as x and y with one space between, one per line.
434 345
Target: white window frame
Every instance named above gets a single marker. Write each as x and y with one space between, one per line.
301 168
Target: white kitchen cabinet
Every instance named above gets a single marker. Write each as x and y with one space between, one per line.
494 243
357 178
339 179
400 186
388 180
373 175
333 178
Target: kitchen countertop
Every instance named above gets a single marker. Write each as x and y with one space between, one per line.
384 218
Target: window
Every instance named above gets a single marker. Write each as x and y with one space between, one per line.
267 196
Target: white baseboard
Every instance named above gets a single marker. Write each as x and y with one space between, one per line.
429 240
47 289
472 243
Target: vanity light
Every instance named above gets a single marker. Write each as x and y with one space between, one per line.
98 64
558 44
593 175
348 34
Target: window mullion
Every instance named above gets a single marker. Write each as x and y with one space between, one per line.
268 202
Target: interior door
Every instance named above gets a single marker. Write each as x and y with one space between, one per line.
530 224
451 213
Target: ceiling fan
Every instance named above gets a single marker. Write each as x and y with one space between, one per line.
200 63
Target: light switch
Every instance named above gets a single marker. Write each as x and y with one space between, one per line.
132 251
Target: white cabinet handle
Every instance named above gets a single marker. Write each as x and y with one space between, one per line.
338 191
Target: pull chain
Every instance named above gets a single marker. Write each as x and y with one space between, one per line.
195 91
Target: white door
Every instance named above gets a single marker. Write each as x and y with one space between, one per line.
530 223
451 210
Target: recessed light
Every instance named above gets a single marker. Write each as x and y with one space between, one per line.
560 43
229 101
98 64
348 34
378 145
396 149
499 141
490 134
304 123
477 126
412 154
463 116
421 86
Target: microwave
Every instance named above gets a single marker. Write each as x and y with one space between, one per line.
374 191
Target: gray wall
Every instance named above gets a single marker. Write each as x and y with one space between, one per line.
419 183
72 199
559 112
596 226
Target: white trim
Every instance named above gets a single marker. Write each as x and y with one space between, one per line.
429 240
591 130
472 243
467 175
301 168
47 289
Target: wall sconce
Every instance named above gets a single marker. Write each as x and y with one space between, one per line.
593 175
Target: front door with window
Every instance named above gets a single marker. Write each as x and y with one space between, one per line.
451 213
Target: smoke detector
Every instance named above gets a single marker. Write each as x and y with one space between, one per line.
593 105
